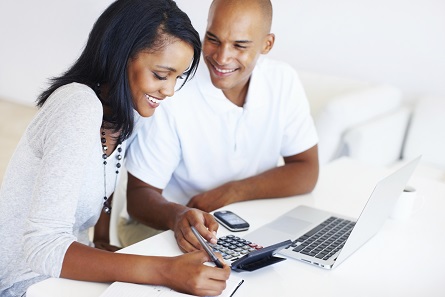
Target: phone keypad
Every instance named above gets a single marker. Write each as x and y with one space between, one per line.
233 247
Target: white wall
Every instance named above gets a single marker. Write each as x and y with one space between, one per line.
401 42
41 39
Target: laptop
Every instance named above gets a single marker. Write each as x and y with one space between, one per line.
326 239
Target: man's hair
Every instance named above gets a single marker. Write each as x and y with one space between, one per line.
124 29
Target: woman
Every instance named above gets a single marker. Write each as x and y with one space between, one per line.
66 165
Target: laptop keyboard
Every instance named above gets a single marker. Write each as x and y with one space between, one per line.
325 240
321 242
233 247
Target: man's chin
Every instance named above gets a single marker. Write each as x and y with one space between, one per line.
220 83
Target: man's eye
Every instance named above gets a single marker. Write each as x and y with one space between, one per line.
212 40
159 77
240 46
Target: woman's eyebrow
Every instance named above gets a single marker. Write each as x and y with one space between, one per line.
167 68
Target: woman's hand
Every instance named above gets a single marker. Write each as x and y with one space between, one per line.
188 274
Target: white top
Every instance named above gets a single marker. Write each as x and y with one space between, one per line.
199 140
53 189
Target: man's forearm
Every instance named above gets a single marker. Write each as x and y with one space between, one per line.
297 176
288 180
148 206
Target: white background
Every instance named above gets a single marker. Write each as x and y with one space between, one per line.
401 42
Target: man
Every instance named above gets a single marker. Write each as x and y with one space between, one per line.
219 139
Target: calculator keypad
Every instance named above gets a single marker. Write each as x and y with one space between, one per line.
233 247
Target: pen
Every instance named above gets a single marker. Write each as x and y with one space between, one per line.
207 248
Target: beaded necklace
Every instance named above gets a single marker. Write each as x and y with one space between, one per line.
107 202
103 140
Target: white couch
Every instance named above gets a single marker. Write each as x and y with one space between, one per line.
341 105
373 123
425 135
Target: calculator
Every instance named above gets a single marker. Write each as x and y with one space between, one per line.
244 255
233 247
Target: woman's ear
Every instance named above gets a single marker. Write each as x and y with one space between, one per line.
268 43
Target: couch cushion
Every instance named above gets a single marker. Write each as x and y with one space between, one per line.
321 88
344 111
380 140
426 133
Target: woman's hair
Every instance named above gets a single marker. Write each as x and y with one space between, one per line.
124 29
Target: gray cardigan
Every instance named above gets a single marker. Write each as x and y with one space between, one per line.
53 189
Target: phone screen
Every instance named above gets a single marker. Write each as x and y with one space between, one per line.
231 221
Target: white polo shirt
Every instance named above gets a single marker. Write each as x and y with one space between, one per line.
198 139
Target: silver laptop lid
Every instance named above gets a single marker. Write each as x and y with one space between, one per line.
302 219
377 209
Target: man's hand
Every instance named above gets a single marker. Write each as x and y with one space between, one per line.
214 199
105 246
101 237
203 222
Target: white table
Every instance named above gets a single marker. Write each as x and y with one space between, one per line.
404 259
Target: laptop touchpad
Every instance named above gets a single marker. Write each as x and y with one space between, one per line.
289 225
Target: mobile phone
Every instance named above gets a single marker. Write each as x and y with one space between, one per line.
231 221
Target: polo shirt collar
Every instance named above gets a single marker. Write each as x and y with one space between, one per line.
256 95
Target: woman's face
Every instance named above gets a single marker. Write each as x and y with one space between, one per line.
153 75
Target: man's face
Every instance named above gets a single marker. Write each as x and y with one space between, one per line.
234 40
